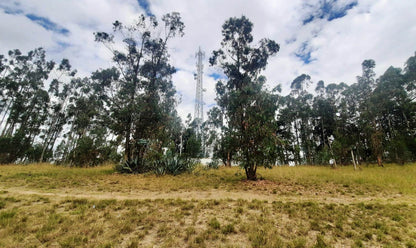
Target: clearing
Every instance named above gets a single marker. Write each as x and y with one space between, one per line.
43 205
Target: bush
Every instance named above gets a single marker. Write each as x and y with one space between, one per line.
13 147
34 153
173 165
167 164
89 153
323 156
214 164
85 153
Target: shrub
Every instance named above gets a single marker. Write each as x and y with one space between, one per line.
166 164
214 164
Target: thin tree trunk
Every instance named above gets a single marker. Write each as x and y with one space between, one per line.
46 144
127 154
3 132
353 160
8 129
297 142
5 112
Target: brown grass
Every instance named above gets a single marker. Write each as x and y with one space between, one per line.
49 206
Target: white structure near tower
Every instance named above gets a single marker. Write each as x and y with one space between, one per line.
199 99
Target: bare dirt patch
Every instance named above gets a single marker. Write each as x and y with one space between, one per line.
213 194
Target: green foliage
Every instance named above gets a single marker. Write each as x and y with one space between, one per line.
129 166
172 165
34 153
142 107
323 156
89 153
213 164
246 107
164 164
47 113
14 147
192 139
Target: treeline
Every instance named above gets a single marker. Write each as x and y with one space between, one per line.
48 113
370 121
128 112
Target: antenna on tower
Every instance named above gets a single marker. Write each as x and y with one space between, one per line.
199 100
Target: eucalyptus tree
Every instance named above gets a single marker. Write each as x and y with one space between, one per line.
143 104
393 108
370 126
324 116
289 150
87 132
410 76
61 89
24 100
88 140
297 116
249 109
219 136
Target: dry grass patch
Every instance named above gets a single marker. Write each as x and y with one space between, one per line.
72 222
50 206
287 181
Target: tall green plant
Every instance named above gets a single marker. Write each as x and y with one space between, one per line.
248 109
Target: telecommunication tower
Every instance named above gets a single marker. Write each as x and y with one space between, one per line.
199 100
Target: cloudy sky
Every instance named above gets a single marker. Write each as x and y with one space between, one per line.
327 39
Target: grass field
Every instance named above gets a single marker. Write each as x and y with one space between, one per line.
44 205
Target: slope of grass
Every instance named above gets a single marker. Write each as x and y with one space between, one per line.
392 179
43 205
41 221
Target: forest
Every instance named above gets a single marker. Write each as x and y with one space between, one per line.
126 114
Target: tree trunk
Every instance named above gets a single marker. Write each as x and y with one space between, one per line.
353 160
5 112
46 143
127 148
298 162
251 173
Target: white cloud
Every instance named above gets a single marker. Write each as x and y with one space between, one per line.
20 32
381 30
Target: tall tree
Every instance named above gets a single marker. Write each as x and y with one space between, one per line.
24 100
324 116
249 109
369 123
60 91
143 106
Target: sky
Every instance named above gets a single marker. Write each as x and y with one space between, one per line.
327 39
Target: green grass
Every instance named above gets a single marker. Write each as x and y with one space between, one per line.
44 205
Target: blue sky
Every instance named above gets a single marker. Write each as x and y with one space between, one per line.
47 24
327 39
328 10
145 5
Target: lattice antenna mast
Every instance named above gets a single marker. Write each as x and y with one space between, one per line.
199 100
